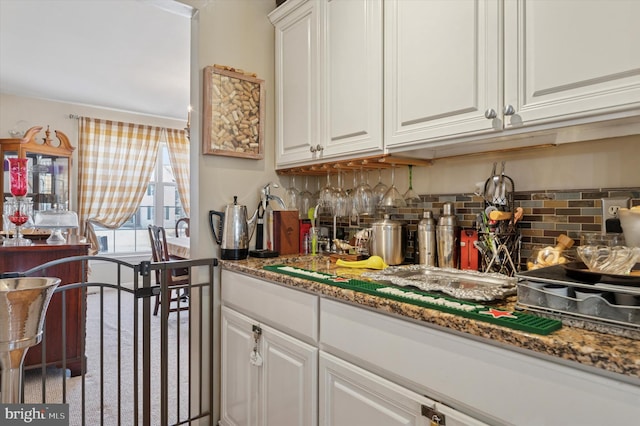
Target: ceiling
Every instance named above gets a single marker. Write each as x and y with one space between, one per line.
129 55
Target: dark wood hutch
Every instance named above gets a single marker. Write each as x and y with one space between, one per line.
50 162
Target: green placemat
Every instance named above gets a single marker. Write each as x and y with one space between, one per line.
511 319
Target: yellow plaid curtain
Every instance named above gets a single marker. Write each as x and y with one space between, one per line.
178 146
116 161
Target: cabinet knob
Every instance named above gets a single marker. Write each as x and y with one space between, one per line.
490 114
317 148
509 110
312 148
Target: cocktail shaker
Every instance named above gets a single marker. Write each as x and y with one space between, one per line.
427 239
447 236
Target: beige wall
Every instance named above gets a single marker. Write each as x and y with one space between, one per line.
239 34
26 112
609 163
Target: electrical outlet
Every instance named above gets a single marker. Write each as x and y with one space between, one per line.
610 207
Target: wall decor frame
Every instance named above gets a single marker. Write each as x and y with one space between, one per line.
233 117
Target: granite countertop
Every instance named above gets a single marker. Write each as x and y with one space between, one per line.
608 352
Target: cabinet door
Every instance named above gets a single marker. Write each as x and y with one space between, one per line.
281 390
239 379
289 385
353 77
566 60
442 69
350 395
297 81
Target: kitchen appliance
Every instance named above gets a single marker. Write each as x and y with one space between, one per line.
427 239
234 230
388 240
447 237
469 258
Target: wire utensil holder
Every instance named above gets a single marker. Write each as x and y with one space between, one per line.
501 252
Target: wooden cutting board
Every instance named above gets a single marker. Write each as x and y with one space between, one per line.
286 231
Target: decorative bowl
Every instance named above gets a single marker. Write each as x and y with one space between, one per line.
609 259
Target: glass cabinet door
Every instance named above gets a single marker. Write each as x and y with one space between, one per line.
49 181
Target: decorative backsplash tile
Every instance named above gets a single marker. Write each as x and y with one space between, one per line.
547 214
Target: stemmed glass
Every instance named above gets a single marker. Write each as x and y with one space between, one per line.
340 199
306 199
292 196
393 198
363 199
410 197
325 197
18 211
379 190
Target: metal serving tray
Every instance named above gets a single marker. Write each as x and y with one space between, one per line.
461 284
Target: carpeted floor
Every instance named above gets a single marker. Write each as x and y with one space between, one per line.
100 387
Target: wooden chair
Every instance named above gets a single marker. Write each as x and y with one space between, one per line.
182 227
177 277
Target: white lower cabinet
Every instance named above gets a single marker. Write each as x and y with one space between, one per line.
351 396
489 383
267 377
289 357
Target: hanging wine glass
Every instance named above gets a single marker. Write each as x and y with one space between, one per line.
325 198
363 198
306 199
379 190
340 199
411 197
292 196
393 198
351 192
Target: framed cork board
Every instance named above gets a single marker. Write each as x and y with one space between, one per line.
233 118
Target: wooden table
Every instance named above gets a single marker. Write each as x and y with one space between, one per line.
178 247
22 258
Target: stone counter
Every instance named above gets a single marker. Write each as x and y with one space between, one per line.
605 352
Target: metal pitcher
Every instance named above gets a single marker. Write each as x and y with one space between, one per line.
234 230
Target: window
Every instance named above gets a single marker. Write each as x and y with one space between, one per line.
160 205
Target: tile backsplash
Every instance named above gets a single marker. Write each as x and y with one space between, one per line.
547 213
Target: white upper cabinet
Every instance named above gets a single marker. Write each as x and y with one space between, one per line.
297 81
353 71
451 76
568 60
328 80
442 69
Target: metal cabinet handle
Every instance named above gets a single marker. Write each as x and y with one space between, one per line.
509 110
317 148
490 114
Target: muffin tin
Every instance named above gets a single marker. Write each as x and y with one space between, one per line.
551 290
